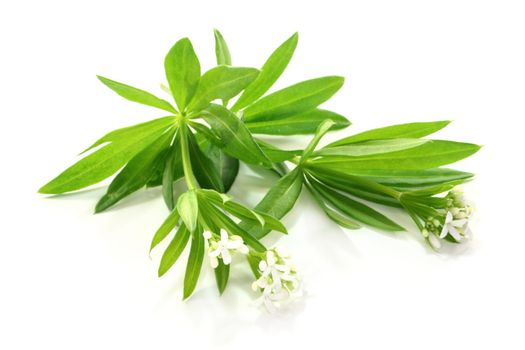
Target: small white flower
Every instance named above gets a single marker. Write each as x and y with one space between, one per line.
457 228
224 247
278 280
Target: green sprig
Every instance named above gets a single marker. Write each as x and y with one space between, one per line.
204 142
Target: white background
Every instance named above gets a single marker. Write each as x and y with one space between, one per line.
73 280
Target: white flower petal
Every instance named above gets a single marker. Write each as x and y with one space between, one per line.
224 236
214 253
459 222
449 217
214 262
454 233
226 257
234 244
444 232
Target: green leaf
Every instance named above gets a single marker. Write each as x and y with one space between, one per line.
188 208
253 261
193 268
322 129
367 148
432 154
341 219
357 186
137 95
242 212
431 189
221 49
227 167
174 250
270 72
100 164
355 209
167 226
280 155
183 72
136 173
203 168
222 82
337 217
277 155
412 178
279 200
233 136
222 273
294 99
172 172
410 130
305 122
135 132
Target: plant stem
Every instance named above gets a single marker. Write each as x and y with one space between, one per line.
191 182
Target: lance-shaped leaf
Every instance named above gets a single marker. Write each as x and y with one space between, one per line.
411 178
233 136
322 129
270 72
357 186
367 148
222 82
432 154
174 249
410 130
222 53
172 172
336 216
100 164
193 267
135 132
136 173
137 95
188 208
157 171
227 167
279 200
167 226
183 72
222 273
354 209
305 122
300 97
277 155
205 171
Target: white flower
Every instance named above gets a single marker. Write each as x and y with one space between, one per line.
278 280
457 228
223 248
453 221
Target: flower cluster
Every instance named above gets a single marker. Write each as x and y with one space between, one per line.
451 222
223 247
277 279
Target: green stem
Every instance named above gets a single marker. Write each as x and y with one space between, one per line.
191 182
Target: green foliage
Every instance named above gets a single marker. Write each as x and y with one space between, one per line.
204 143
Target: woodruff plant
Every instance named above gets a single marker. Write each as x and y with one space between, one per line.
207 133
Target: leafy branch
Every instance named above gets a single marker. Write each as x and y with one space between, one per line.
206 136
